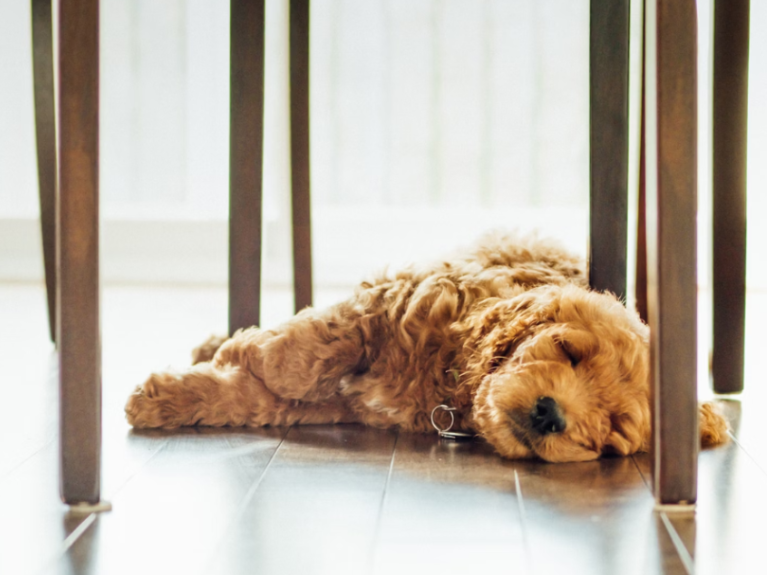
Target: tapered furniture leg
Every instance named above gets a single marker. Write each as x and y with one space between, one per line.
78 336
641 259
609 60
299 152
730 105
671 187
45 128
640 291
246 130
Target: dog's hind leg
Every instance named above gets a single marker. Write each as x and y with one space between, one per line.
221 395
264 377
306 357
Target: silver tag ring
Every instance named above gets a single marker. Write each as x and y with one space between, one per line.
450 411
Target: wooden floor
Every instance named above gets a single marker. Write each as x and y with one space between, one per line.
338 499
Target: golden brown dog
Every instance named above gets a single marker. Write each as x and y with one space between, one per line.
506 333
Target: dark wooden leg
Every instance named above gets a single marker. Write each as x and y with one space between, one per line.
641 262
730 101
609 59
78 251
45 127
671 140
246 131
299 152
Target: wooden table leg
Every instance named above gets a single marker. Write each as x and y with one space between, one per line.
671 140
609 59
730 120
299 152
45 131
246 131
79 337
641 259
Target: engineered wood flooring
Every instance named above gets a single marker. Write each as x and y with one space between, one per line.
339 499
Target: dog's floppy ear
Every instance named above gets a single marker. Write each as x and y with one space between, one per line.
493 333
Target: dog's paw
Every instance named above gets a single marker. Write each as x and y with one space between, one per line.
136 408
151 404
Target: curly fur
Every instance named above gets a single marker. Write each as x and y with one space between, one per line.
489 332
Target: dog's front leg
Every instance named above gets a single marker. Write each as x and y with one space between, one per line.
208 394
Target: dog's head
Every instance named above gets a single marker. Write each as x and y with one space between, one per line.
562 373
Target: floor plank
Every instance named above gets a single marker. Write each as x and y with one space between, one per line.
597 514
29 419
316 509
32 526
169 517
449 508
726 531
732 500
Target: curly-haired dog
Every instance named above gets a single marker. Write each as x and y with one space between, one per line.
507 333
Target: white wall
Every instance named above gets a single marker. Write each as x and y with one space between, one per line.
432 120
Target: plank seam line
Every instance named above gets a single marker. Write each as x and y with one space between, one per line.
253 488
684 555
127 480
72 538
746 451
79 530
251 493
381 505
522 520
641 475
6 474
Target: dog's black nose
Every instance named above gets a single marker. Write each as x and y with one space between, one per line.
546 417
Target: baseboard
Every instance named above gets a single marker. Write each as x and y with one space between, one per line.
348 243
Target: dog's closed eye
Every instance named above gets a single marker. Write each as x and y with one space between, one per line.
569 351
501 354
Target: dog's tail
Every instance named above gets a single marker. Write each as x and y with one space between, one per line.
713 425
